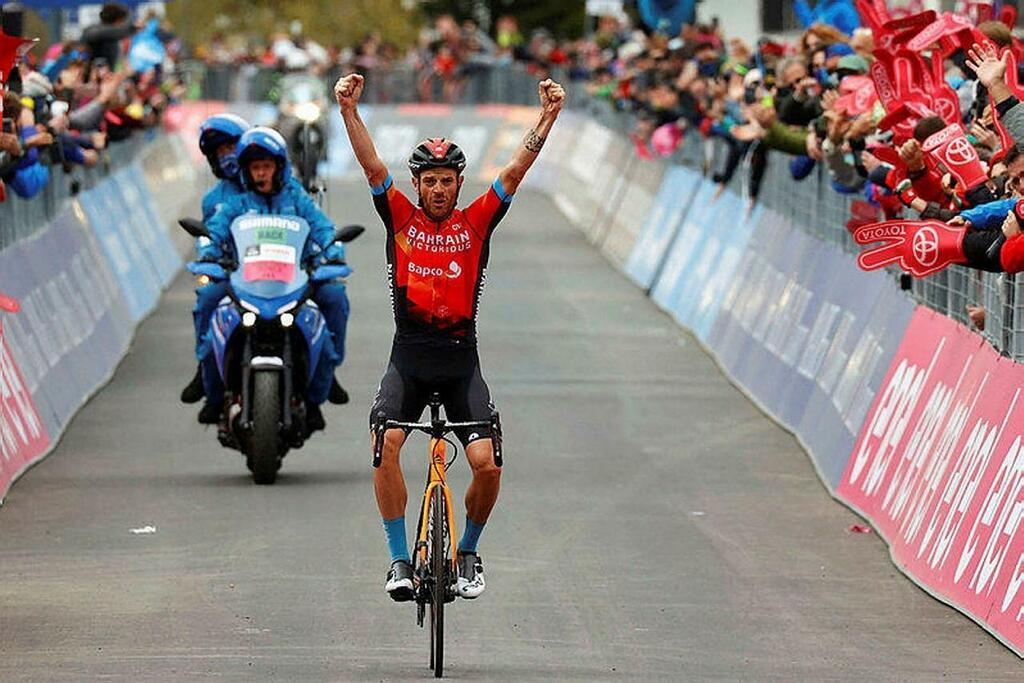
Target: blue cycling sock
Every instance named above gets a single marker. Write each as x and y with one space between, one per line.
471 536
394 530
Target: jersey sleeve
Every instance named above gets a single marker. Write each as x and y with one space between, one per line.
488 209
394 207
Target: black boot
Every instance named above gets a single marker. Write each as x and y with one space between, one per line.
338 395
314 419
209 414
194 391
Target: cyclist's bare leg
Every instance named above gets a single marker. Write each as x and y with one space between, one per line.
388 482
483 490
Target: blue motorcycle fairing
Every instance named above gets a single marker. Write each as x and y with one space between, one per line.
269 249
214 271
330 272
314 328
227 318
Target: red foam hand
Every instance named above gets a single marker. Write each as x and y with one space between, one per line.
1008 16
859 95
920 248
897 32
950 31
875 14
12 48
905 77
951 148
8 304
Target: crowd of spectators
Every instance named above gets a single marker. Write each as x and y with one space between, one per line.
67 106
916 114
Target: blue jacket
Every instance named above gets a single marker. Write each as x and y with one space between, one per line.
219 194
28 177
839 13
989 216
290 201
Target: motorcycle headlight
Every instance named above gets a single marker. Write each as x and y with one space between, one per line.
203 280
307 111
287 319
248 319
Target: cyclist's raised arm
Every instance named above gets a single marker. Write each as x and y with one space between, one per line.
347 92
552 95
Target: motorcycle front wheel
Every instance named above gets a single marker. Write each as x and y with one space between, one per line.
265 445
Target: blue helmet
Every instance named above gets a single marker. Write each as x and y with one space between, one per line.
222 129
261 142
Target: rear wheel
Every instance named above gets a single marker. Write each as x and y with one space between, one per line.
264 457
440 568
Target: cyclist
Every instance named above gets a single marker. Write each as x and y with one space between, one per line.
437 258
218 139
271 189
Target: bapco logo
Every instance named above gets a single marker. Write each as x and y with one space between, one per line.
453 272
960 152
926 246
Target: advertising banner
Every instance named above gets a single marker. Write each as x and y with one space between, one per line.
124 247
714 258
808 335
23 436
673 200
704 212
619 231
139 215
938 468
73 326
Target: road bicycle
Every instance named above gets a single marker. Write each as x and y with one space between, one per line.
436 571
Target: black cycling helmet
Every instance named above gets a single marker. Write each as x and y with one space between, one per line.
436 153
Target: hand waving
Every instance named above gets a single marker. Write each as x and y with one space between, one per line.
985 61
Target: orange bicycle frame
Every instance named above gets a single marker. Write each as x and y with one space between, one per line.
436 477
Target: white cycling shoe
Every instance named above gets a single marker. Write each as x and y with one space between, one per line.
471 576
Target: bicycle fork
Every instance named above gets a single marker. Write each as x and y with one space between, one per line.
436 478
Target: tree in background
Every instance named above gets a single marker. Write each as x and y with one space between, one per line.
563 18
328 22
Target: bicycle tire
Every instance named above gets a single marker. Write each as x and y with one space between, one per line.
439 567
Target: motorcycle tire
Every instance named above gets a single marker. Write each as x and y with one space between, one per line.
265 441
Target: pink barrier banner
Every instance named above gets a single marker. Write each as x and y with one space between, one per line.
23 437
185 119
938 468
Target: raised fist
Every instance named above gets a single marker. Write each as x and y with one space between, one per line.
348 90
552 95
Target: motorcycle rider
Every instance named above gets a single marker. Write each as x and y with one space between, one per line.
218 141
270 188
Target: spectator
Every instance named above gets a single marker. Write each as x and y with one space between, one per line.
103 40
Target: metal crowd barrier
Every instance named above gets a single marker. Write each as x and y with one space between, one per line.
21 218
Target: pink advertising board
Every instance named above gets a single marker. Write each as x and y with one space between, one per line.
938 468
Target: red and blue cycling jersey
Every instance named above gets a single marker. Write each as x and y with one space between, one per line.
436 270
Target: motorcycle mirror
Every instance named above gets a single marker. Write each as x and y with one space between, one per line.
193 227
348 233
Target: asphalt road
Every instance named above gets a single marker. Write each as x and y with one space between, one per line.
652 524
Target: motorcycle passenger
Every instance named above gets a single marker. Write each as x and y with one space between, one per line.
218 141
271 189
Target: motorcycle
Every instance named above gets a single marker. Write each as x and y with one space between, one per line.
302 108
266 334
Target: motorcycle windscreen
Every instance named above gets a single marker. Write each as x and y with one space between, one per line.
269 252
298 89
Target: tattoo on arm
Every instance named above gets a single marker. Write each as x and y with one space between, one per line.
533 142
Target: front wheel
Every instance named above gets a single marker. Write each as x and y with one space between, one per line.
440 567
264 457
